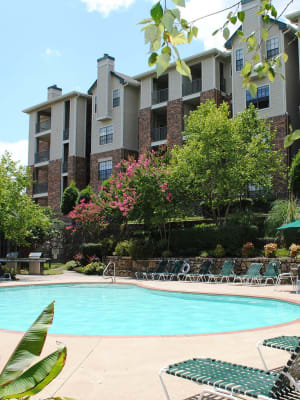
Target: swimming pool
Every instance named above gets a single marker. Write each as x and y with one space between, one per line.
127 310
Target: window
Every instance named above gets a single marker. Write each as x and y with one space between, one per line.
262 98
106 134
116 97
96 100
239 59
272 47
105 169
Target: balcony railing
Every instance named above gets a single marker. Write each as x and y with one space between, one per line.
64 166
191 87
159 134
223 84
43 126
39 188
160 96
66 134
41 156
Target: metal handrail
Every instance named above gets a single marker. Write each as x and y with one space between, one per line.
113 277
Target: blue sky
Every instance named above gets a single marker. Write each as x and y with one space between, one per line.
58 42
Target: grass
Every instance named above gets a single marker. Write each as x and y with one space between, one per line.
56 269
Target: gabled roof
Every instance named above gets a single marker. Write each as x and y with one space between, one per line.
122 78
282 25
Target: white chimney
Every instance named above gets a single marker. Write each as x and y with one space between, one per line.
106 65
54 91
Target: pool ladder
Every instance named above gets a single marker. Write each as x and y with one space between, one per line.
113 277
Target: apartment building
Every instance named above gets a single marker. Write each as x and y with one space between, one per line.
83 136
277 101
59 144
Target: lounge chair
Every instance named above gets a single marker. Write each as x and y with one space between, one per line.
203 273
175 270
271 273
225 274
251 275
287 343
162 268
233 380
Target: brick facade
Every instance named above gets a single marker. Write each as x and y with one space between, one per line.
77 171
216 95
54 184
175 122
145 123
115 155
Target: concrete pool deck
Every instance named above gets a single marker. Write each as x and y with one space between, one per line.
126 368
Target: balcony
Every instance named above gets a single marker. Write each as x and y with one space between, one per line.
42 126
66 134
191 87
223 85
64 167
160 96
39 188
41 156
159 134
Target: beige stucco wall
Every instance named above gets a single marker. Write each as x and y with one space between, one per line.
146 90
57 112
104 90
130 124
175 85
80 127
31 140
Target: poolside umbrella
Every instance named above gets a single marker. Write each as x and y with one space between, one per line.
294 224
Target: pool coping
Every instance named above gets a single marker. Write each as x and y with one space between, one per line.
8 284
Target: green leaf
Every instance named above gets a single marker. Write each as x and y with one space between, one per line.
215 32
288 141
162 63
35 378
285 57
271 74
168 20
176 13
167 50
252 87
157 12
226 33
180 3
152 59
273 12
240 33
145 21
151 33
256 58
264 34
195 31
247 69
30 346
180 38
241 16
183 68
233 20
266 19
155 45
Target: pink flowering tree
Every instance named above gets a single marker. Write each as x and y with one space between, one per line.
142 190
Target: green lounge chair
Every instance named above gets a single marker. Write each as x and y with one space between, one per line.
175 270
161 268
203 273
233 380
271 274
251 275
225 274
287 343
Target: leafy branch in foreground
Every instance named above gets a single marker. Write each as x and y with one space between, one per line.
166 30
19 380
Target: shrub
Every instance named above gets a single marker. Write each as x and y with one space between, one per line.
166 253
248 249
204 253
282 253
107 246
294 250
85 194
219 250
139 249
70 265
78 258
92 249
69 198
94 268
270 249
121 248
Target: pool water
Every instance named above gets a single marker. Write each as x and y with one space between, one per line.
125 310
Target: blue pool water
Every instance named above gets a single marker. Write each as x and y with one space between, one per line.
130 310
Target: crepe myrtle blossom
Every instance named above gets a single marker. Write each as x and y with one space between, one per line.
88 216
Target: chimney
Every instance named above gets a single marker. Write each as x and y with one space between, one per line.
106 66
54 91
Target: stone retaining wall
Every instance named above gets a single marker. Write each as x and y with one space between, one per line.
126 266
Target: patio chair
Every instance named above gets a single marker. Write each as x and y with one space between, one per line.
203 273
162 268
225 274
271 273
251 275
233 380
175 270
287 343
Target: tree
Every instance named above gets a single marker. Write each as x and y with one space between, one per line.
223 156
21 219
165 30
69 198
85 194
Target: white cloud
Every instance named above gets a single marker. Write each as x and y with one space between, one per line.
52 52
106 6
17 150
195 9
